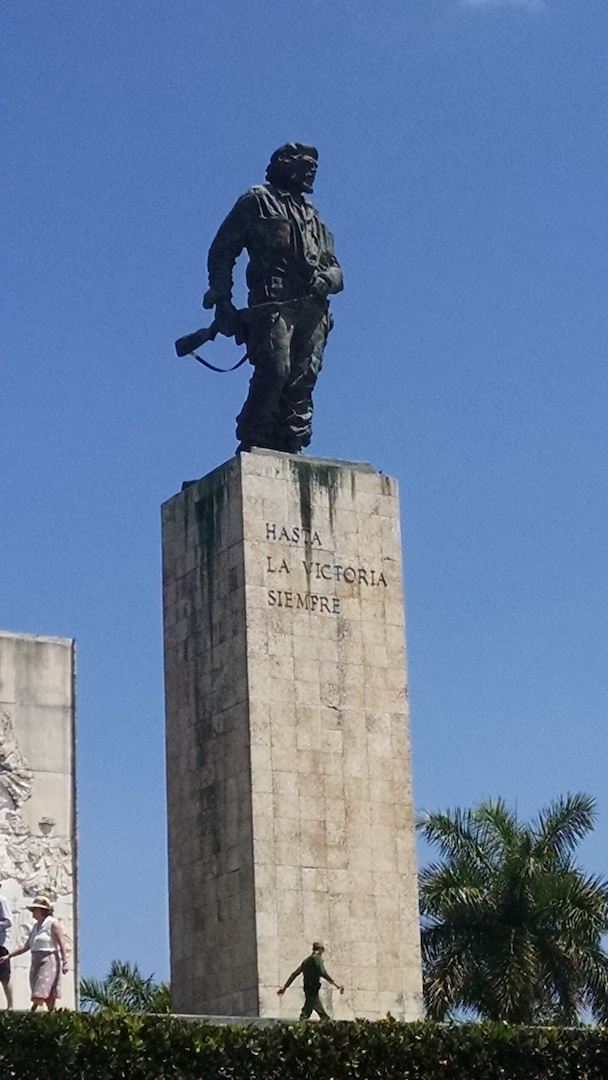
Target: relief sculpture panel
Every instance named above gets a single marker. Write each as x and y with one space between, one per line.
37 854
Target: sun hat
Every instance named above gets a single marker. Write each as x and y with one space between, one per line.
41 902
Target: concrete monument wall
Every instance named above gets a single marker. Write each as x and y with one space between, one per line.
37 793
289 787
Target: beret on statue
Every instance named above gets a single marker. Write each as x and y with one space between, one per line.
292 150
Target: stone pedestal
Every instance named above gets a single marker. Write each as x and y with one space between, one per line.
37 794
290 806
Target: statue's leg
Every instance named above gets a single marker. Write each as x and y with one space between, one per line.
295 406
268 345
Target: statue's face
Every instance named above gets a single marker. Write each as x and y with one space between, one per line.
300 173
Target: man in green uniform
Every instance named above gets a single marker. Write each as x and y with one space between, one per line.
291 273
313 970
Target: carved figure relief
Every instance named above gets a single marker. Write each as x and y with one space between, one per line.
41 862
15 776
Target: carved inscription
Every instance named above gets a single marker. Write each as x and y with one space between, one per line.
292 535
304 601
308 599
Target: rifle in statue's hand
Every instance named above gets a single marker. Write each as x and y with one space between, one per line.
187 345
189 342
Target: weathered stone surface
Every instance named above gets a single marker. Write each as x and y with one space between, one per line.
290 807
37 792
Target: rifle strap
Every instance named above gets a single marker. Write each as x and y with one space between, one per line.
222 370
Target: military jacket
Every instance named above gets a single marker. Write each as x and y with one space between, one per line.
313 970
287 243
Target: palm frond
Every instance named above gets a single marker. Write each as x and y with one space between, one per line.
454 834
496 826
124 989
564 823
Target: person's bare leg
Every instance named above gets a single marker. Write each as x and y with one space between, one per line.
8 993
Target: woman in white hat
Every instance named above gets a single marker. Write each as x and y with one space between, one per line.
46 943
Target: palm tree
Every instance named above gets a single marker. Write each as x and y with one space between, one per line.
125 989
511 927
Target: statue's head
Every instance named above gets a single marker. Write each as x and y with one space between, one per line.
293 166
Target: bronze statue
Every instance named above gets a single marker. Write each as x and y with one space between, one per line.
292 270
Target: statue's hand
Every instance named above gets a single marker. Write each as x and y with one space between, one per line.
210 299
226 318
320 286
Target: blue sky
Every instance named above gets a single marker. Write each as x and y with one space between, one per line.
462 169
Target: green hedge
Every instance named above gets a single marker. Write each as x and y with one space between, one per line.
73 1046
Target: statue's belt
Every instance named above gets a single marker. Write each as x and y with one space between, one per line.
187 345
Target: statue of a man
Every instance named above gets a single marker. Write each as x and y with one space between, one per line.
292 270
